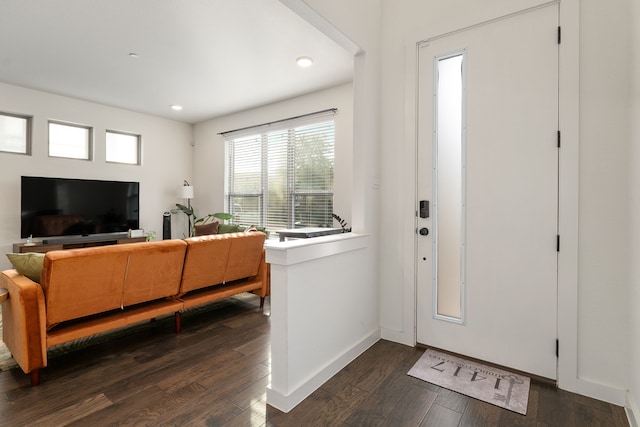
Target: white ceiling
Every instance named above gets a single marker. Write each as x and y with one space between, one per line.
213 57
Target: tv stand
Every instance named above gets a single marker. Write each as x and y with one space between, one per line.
85 243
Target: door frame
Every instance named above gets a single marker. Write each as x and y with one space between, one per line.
568 177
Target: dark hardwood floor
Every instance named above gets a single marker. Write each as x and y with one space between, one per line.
216 371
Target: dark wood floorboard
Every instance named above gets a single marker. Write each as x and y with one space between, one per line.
215 373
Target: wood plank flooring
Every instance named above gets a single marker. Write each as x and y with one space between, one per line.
216 371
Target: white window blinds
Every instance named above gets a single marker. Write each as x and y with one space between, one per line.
122 147
280 175
70 140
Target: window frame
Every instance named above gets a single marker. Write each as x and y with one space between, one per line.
90 134
28 134
138 146
261 135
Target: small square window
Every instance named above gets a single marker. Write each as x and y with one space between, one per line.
123 147
15 133
70 140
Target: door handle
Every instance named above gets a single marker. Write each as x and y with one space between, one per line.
424 231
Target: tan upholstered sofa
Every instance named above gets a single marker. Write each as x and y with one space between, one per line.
92 290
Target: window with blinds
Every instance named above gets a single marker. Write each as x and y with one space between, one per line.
281 175
15 133
70 140
123 147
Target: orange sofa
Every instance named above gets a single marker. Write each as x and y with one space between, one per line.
92 290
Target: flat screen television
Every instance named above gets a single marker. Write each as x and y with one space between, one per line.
57 207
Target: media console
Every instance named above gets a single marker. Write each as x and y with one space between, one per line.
62 245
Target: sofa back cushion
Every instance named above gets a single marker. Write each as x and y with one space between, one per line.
245 255
205 262
81 282
221 258
154 271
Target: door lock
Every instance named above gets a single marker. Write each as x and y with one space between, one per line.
424 209
424 231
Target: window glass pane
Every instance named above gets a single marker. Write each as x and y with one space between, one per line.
313 210
247 166
122 148
246 209
69 141
314 166
14 134
277 180
314 157
245 180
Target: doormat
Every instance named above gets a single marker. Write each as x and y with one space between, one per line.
492 385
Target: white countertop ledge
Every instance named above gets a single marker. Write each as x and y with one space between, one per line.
295 251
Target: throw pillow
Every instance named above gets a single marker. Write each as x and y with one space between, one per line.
229 228
260 229
203 230
28 264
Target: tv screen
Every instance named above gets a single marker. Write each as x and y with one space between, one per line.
77 207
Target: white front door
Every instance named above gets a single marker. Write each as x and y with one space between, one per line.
488 165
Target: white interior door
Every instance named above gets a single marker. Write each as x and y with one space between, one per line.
488 164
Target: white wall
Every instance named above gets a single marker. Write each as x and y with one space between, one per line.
209 148
603 234
359 22
634 217
166 157
321 312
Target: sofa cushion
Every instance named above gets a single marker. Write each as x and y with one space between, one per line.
203 230
154 271
245 255
82 282
28 264
205 262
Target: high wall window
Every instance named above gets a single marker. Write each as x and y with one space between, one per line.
15 133
281 175
123 147
70 140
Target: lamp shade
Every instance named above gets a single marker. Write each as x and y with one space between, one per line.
185 192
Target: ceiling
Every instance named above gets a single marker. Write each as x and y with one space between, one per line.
213 57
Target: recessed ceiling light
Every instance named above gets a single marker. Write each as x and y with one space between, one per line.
304 61
175 107
134 55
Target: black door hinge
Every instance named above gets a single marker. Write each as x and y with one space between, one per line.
558 243
557 347
559 35
559 139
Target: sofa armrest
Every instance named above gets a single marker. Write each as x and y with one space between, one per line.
23 321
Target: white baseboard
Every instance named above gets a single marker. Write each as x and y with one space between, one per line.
286 402
631 408
599 391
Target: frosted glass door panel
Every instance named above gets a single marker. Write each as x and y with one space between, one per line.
449 186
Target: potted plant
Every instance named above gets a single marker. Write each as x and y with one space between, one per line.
194 220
